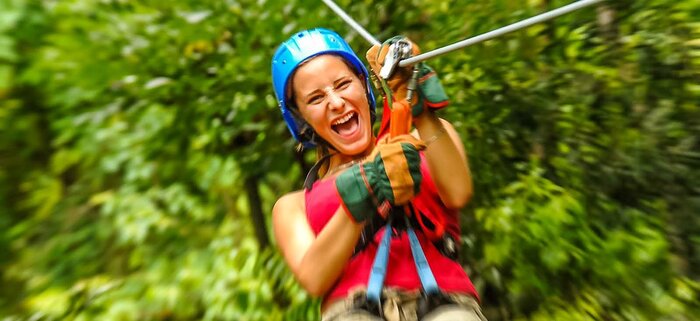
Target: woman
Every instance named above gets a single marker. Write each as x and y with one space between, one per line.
327 232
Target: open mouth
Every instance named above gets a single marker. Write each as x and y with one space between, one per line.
346 125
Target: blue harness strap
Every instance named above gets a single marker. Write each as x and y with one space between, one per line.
381 260
378 273
427 279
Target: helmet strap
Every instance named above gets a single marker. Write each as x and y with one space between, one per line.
313 175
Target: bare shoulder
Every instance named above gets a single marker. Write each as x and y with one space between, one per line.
291 228
291 197
289 203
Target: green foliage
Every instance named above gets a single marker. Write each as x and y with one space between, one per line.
129 128
539 241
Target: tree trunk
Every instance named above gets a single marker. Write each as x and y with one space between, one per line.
256 213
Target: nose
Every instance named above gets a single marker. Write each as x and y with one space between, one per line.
335 101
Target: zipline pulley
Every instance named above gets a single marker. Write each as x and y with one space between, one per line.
397 51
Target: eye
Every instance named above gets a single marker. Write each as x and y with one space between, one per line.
343 84
315 99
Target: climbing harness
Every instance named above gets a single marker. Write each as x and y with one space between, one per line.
431 296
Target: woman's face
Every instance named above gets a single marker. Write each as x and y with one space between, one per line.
333 100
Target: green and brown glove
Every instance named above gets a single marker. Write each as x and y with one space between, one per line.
390 174
431 95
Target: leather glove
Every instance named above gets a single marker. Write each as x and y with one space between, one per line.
391 173
430 93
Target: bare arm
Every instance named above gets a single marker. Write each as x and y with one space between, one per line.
447 159
317 261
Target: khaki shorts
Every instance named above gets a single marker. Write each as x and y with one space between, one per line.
402 306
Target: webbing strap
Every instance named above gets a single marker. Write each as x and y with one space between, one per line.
427 279
381 260
387 92
378 273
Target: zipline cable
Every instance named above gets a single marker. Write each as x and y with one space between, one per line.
469 41
500 31
352 22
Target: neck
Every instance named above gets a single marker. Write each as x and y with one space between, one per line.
338 160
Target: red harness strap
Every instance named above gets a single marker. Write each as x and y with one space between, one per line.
397 121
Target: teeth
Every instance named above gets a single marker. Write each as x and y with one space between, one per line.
344 119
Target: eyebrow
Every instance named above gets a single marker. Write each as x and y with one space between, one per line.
310 94
340 78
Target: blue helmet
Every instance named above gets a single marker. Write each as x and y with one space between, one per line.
294 51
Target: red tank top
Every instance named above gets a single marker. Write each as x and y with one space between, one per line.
322 202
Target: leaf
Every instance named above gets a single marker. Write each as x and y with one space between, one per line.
157 82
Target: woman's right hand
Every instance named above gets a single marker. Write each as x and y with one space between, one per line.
430 93
398 82
391 173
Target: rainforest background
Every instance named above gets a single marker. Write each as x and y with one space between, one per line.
141 151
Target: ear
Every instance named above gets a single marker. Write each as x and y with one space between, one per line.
306 133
